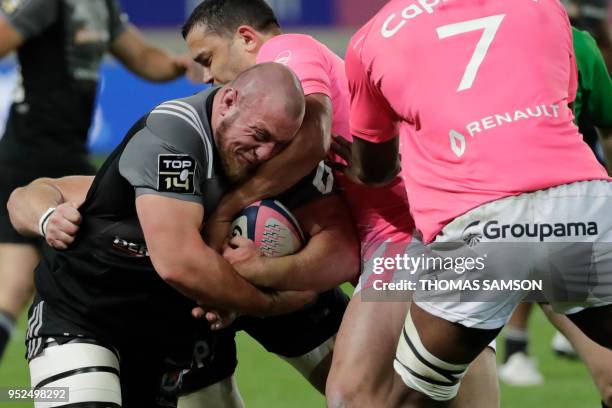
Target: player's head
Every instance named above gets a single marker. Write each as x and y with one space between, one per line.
224 36
256 116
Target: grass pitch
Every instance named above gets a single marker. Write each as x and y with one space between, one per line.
266 381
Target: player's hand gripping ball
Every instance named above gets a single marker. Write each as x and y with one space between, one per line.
265 228
272 228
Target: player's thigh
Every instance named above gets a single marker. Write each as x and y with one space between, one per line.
365 346
479 387
17 263
223 394
596 323
581 264
598 359
306 338
448 341
88 372
210 380
520 317
434 354
18 255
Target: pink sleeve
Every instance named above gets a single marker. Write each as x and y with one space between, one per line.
371 117
303 56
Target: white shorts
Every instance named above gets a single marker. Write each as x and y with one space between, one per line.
89 374
375 274
552 245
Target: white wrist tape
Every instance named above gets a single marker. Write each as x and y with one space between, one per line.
44 220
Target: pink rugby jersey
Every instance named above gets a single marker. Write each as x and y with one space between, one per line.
380 213
478 92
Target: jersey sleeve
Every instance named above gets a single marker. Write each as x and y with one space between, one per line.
595 80
30 17
165 158
371 117
319 184
304 57
118 19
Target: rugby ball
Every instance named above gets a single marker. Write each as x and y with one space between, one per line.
271 226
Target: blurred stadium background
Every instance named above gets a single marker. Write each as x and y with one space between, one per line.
265 381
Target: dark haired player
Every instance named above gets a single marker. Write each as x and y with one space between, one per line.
456 177
60 45
306 338
228 36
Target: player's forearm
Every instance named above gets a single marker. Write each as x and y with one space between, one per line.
27 204
376 164
329 259
143 59
159 66
204 276
155 65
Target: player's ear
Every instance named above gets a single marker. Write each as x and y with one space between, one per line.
229 100
248 37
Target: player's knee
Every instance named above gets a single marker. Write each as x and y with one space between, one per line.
605 389
89 371
340 388
344 389
422 371
607 397
314 364
339 393
224 394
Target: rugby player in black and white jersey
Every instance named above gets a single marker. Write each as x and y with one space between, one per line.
115 306
59 45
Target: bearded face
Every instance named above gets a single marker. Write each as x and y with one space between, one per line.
236 162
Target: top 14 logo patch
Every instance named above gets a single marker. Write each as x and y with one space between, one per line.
176 173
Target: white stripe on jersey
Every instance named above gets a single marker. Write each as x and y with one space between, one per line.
178 115
31 320
189 115
40 319
196 117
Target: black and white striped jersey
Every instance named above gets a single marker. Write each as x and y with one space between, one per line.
64 43
104 285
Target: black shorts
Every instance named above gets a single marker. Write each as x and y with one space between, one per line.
18 168
147 364
291 335
298 333
214 359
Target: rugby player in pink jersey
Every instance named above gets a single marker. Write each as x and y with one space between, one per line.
227 45
493 165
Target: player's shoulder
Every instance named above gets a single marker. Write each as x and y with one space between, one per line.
182 118
583 40
284 47
296 39
183 125
365 37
